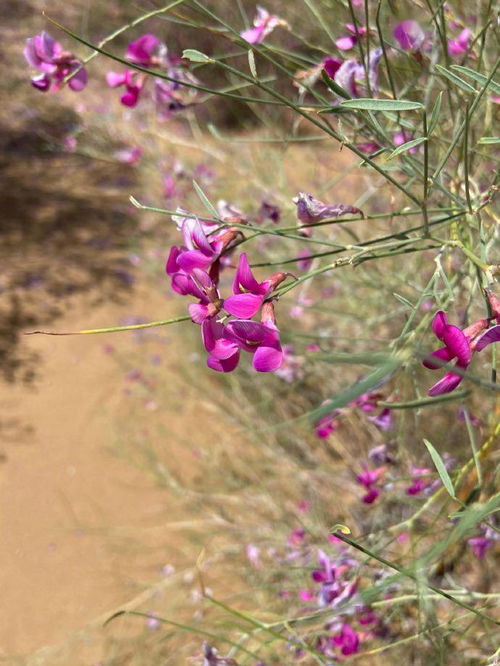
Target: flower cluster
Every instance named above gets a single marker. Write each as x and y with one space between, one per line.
194 269
171 92
460 345
54 64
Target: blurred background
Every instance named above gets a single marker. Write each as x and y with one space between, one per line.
126 466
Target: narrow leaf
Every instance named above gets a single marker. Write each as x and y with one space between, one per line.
406 146
489 140
368 104
251 63
205 201
440 466
334 86
480 78
435 113
460 83
196 56
369 383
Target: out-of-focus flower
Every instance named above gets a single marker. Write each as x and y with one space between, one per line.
331 66
409 35
142 51
268 211
45 54
130 155
264 23
460 44
347 639
421 480
326 425
133 83
369 478
355 80
311 210
229 212
306 260
382 420
292 366
211 658
479 545
403 137
349 41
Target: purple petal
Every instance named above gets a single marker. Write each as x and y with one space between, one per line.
131 97
253 35
445 385
193 259
115 79
439 323
410 35
244 277
171 265
487 338
198 312
458 344
331 66
243 306
224 365
248 333
442 354
41 82
345 43
141 50
211 331
223 349
79 80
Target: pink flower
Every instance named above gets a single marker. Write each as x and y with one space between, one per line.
479 545
264 23
369 479
460 44
325 426
348 42
130 155
351 75
409 35
45 54
248 294
141 51
421 480
331 66
347 639
133 83
458 344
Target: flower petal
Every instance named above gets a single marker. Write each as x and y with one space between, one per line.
244 277
224 365
243 306
439 323
268 356
445 385
487 338
442 354
457 344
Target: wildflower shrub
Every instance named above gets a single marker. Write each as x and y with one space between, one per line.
340 296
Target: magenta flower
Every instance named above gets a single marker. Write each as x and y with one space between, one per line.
382 420
369 479
409 35
198 251
421 480
347 639
264 23
348 42
331 66
224 342
133 83
326 425
460 44
45 54
351 75
248 294
141 51
458 344
479 545
311 210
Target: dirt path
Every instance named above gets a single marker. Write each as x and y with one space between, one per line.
66 503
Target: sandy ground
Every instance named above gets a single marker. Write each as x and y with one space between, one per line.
66 502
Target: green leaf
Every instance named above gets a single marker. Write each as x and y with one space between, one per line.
196 56
406 146
440 466
205 201
369 104
334 86
456 79
480 78
488 140
403 300
369 383
251 63
435 113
